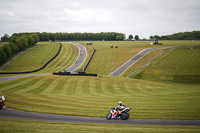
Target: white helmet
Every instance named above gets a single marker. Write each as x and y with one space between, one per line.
120 103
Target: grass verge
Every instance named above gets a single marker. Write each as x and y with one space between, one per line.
21 126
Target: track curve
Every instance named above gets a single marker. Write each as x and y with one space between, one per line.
14 114
81 58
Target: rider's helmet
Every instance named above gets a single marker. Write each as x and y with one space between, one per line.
120 103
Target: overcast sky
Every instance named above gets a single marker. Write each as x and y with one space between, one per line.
136 17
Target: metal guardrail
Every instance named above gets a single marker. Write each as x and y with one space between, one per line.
85 67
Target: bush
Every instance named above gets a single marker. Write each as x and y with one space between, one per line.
31 40
7 50
35 37
13 47
16 44
22 42
2 55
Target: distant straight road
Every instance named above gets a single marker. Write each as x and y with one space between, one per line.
133 60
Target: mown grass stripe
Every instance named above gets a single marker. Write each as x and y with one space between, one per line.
52 86
80 88
59 86
38 85
66 87
17 86
32 83
92 87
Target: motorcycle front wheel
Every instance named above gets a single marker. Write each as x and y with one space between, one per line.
109 115
125 116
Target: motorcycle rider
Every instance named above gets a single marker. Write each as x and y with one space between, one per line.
2 101
119 108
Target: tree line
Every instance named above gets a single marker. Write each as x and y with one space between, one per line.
194 35
16 44
107 36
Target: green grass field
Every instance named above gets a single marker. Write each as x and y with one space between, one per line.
94 96
90 96
33 59
179 65
23 126
38 56
107 59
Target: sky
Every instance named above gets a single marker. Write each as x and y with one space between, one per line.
131 17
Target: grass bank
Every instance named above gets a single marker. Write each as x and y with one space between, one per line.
38 56
107 59
94 96
21 126
178 65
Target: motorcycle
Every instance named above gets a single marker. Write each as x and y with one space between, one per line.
113 114
2 101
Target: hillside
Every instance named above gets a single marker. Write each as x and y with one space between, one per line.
93 96
38 56
107 59
178 65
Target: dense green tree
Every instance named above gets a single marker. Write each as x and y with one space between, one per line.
130 37
110 36
194 35
5 38
119 38
35 37
31 40
13 47
22 42
136 37
13 38
156 37
151 37
2 56
7 49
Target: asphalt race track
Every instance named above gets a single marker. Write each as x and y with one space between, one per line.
133 60
79 61
14 114
81 58
19 76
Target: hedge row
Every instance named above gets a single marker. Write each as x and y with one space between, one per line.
15 45
38 68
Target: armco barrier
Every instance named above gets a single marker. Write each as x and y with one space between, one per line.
36 69
74 74
89 61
